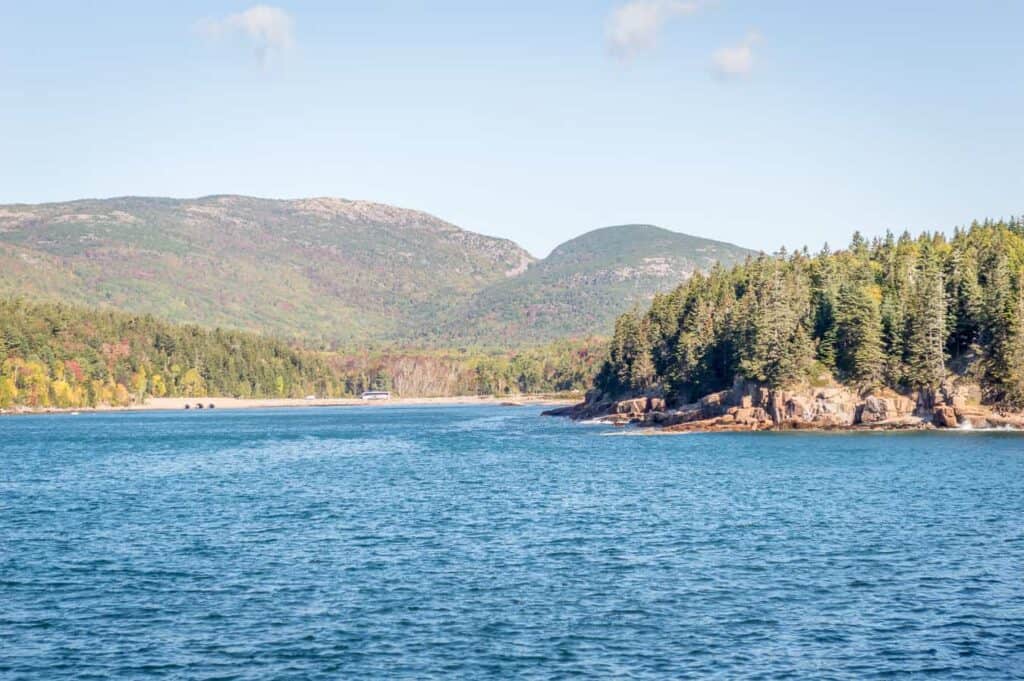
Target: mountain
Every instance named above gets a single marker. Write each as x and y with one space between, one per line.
335 271
585 283
314 268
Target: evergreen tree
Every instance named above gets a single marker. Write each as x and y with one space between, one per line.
998 327
926 336
774 345
860 354
824 291
965 298
1013 381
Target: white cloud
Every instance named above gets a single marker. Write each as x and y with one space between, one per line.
267 29
634 26
735 61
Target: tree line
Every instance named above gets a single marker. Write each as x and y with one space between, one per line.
56 355
561 366
899 312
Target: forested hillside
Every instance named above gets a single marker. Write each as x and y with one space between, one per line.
54 355
904 313
332 273
584 284
318 269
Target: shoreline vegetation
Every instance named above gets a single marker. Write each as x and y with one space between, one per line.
893 334
64 357
234 403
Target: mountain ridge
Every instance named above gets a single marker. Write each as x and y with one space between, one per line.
335 270
578 287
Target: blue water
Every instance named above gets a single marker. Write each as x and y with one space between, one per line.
489 542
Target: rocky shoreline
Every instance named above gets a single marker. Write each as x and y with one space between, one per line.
748 406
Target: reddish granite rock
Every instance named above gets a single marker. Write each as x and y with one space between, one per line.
945 417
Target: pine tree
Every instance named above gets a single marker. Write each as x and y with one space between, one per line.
998 328
860 354
823 296
775 346
630 367
965 299
1013 385
926 337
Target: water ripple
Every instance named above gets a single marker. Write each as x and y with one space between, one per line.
484 542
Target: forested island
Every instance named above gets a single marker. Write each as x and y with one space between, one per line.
62 356
893 332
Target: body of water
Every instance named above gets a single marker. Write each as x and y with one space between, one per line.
477 542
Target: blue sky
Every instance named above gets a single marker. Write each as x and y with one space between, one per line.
765 123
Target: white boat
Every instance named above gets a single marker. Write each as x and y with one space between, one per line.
375 395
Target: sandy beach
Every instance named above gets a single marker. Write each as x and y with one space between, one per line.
163 403
181 403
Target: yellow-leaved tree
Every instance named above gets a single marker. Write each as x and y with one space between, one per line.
157 387
63 396
192 384
139 382
8 392
122 397
35 382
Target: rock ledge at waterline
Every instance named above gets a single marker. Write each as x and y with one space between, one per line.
748 406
